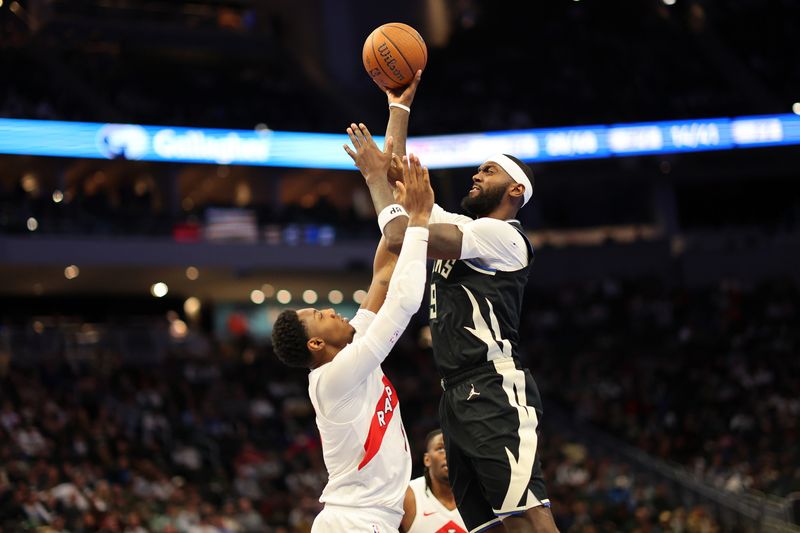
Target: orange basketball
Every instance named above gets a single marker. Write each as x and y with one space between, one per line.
393 53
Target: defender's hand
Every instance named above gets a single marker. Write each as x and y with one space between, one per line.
415 192
395 170
370 160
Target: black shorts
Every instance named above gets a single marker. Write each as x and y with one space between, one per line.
490 421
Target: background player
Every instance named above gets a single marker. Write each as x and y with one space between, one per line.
429 505
358 414
476 294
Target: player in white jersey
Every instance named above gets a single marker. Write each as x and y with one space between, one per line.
358 415
430 506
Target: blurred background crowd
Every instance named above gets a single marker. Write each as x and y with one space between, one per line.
219 436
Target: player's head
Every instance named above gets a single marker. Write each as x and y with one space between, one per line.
501 178
301 338
290 340
435 459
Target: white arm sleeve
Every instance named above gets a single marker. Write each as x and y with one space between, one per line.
361 321
358 359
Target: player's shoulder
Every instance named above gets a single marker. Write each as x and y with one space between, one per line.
494 224
495 229
418 485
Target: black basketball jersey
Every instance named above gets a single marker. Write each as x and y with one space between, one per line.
475 311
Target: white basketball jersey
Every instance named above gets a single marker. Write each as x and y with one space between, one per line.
368 458
432 516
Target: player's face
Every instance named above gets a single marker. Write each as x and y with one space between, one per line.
436 459
489 185
327 325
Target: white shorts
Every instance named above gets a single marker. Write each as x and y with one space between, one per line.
338 519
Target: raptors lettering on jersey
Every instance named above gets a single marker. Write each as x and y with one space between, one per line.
384 410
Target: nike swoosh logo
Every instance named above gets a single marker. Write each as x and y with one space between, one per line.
428 514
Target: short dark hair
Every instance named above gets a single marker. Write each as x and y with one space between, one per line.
525 168
289 340
430 436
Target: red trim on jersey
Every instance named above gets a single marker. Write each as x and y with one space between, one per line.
451 527
384 411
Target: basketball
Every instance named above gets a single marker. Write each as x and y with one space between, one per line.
393 53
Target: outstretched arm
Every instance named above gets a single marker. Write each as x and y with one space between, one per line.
374 164
382 269
376 171
354 363
397 127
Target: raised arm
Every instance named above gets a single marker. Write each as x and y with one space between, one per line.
382 270
406 288
408 281
400 101
376 166
444 239
373 163
397 127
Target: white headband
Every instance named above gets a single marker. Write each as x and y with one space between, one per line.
516 173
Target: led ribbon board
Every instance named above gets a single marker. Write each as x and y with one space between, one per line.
324 150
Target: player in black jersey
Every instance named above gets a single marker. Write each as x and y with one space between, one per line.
490 409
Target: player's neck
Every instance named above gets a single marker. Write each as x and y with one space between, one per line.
503 212
326 356
443 493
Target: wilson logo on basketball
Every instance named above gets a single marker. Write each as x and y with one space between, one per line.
393 53
384 410
391 62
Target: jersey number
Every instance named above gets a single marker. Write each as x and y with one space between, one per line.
433 301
